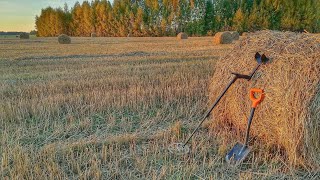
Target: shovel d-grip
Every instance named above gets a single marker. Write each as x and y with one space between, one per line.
240 151
256 100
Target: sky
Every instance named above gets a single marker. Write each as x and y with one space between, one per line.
19 15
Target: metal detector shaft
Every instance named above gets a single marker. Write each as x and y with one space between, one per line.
254 71
219 98
213 106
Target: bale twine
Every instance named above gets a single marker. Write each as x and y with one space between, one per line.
182 36
93 34
223 38
235 35
24 36
64 39
287 122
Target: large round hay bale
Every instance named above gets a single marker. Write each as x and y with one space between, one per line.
93 34
223 38
235 35
182 36
287 122
64 39
24 36
245 34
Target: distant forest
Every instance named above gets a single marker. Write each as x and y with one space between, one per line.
13 33
169 17
16 33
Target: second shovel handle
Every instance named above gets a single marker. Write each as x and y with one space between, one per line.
259 99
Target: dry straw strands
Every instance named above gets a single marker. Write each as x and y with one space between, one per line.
24 36
64 39
182 36
288 120
223 38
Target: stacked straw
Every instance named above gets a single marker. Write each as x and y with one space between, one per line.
225 37
64 39
93 34
288 120
182 36
24 36
235 35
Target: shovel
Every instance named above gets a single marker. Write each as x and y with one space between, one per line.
240 151
182 148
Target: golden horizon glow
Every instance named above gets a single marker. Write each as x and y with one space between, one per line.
19 15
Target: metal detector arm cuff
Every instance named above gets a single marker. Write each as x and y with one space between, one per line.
247 77
241 76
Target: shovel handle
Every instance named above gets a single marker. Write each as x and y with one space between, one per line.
256 101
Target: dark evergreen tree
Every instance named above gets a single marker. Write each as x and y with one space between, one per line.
209 18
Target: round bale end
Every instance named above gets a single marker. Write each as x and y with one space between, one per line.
24 36
235 35
223 38
64 39
93 34
182 36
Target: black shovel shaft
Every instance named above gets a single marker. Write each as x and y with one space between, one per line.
248 127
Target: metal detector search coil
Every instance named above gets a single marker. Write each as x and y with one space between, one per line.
179 148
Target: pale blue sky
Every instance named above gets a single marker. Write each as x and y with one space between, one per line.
19 15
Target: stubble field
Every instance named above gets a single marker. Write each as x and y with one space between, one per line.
108 108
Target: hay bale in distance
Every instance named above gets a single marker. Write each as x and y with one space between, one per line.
245 34
24 36
182 36
210 33
64 39
235 35
287 121
93 34
223 38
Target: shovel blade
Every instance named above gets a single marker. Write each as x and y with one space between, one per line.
237 154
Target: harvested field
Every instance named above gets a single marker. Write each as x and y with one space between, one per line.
107 108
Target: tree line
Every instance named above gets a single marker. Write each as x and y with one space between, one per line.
169 17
